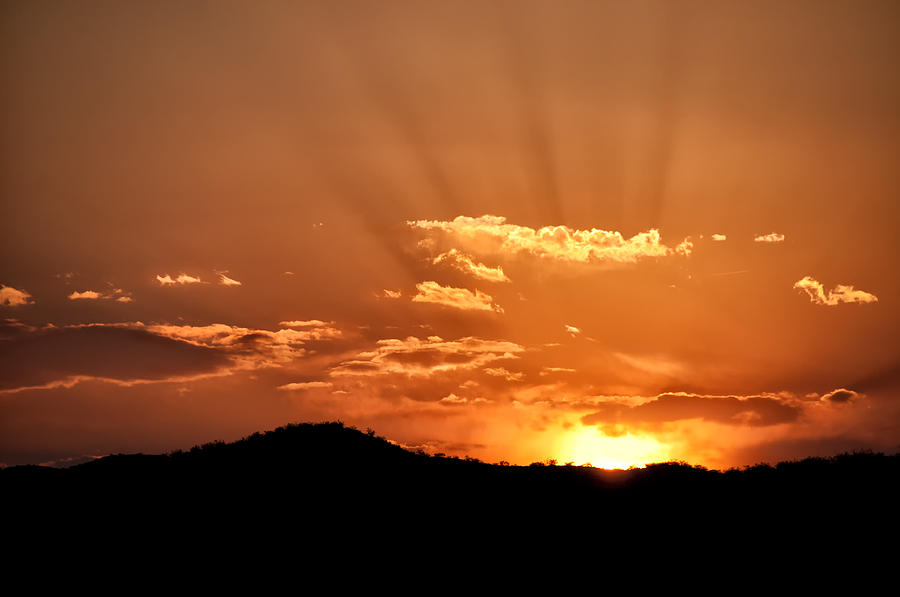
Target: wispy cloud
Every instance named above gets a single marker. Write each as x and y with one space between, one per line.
550 370
492 233
305 385
415 357
390 294
840 294
458 298
226 281
306 323
719 237
504 373
466 264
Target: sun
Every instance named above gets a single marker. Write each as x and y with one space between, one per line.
592 446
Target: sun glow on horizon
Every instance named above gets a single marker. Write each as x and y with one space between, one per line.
602 451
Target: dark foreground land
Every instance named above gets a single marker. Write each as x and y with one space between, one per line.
328 479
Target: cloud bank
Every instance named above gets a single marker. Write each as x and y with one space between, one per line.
562 243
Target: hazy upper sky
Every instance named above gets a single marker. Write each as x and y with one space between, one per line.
606 232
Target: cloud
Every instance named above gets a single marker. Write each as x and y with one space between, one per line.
129 353
182 279
454 400
841 293
685 247
753 411
416 357
305 385
492 233
226 281
840 396
250 347
13 297
391 294
116 294
652 364
66 355
772 237
306 323
458 298
504 373
86 295
466 264
573 331
548 370
719 237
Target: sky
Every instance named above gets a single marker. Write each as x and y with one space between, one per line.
597 232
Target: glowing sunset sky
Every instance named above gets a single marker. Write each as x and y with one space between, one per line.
606 232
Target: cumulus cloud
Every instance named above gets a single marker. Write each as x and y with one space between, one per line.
840 294
86 295
466 264
13 297
719 237
182 279
416 357
305 385
453 399
772 237
685 247
458 298
553 242
572 330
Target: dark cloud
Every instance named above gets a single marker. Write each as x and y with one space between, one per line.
754 411
840 396
55 355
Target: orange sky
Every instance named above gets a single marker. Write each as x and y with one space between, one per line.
606 232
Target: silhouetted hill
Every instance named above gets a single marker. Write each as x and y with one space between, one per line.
318 476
